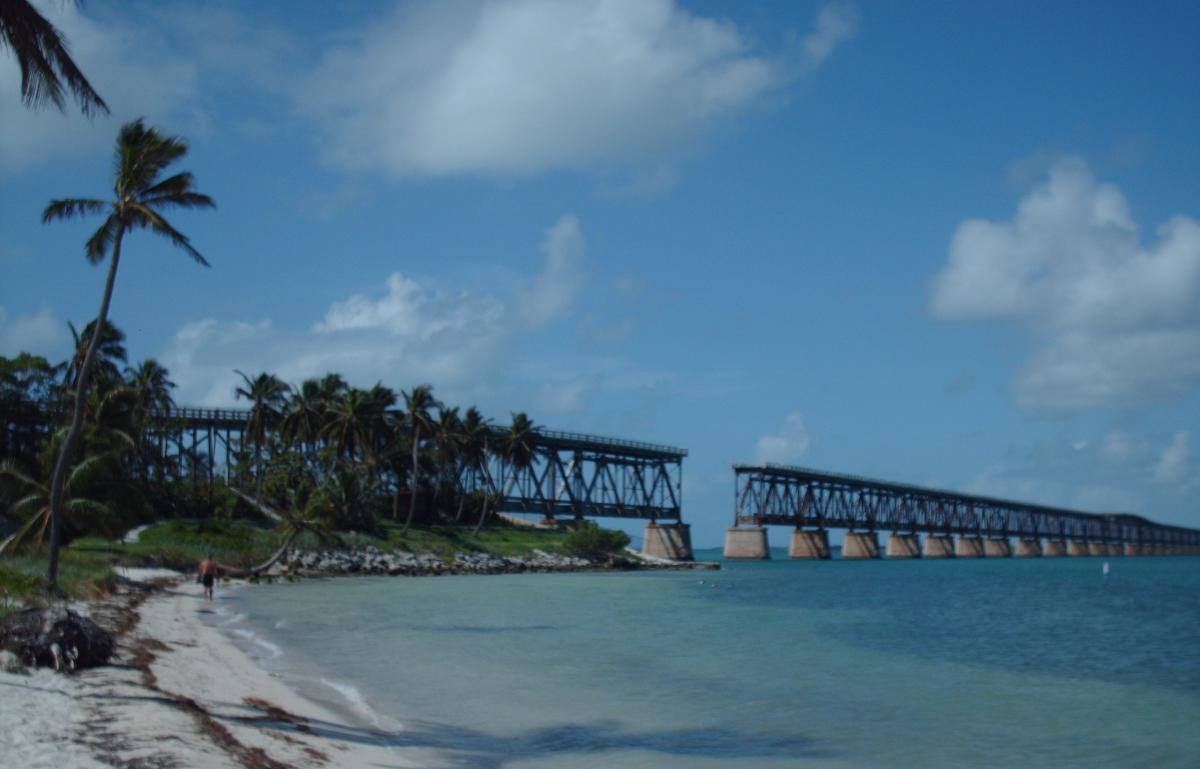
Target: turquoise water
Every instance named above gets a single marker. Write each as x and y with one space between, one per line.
1013 663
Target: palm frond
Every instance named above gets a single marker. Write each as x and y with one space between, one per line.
71 207
43 59
101 241
147 217
172 185
180 200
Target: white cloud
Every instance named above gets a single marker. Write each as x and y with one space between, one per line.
1172 466
1119 321
551 294
519 87
30 333
787 445
411 331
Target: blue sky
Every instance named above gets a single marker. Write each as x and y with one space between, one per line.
938 243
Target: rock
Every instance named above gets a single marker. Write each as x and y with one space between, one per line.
11 663
55 637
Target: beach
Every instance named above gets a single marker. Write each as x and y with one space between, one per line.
178 693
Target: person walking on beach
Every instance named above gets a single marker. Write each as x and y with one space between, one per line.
208 575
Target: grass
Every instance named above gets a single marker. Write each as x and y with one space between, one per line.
82 576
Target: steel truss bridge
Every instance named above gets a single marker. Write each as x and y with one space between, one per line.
803 498
572 475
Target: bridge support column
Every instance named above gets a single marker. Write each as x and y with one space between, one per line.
903 546
1078 549
1132 548
1114 549
860 544
748 543
1029 548
1054 548
1097 548
997 548
668 540
813 545
968 547
938 546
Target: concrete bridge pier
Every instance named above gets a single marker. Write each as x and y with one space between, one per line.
1075 549
813 545
1097 548
1114 549
1054 548
968 547
938 546
1029 548
747 543
860 544
668 540
997 548
1132 548
903 546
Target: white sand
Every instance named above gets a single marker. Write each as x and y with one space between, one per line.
140 709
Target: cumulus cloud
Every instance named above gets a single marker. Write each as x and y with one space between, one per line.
35 332
1119 321
412 330
786 445
519 87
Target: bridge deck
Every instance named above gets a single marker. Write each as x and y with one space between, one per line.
803 497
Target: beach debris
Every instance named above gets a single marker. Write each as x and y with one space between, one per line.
11 663
55 637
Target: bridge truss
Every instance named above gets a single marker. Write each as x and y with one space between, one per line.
803 498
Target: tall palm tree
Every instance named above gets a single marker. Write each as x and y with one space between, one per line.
348 425
152 386
43 59
474 456
267 394
142 154
417 402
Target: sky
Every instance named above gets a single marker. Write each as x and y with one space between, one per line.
941 243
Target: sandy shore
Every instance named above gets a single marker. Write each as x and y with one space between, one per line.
178 694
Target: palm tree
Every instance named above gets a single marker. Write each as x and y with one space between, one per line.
307 509
110 353
151 386
305 415
448 440
267 395
417 402
43 59
474 457
517 448
348 425
142 154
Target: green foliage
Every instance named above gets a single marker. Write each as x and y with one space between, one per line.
591 541
82 576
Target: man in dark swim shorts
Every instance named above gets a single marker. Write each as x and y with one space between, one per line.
208 575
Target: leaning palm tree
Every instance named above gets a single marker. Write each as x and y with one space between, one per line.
417 402
43 59
267 394
142 154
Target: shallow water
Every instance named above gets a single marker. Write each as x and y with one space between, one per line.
987 663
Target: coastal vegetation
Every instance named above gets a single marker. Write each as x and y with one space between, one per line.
321 464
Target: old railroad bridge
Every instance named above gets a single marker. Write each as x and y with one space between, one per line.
575 476
954 525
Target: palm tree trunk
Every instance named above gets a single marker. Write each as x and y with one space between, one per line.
64 457
482 515
416 479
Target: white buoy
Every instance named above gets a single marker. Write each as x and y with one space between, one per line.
1106 568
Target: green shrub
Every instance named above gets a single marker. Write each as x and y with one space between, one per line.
591 541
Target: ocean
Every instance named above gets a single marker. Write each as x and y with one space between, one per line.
923 664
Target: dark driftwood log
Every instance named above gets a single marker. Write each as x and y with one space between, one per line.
55 637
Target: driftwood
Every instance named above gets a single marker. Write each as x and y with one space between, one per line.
55 637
